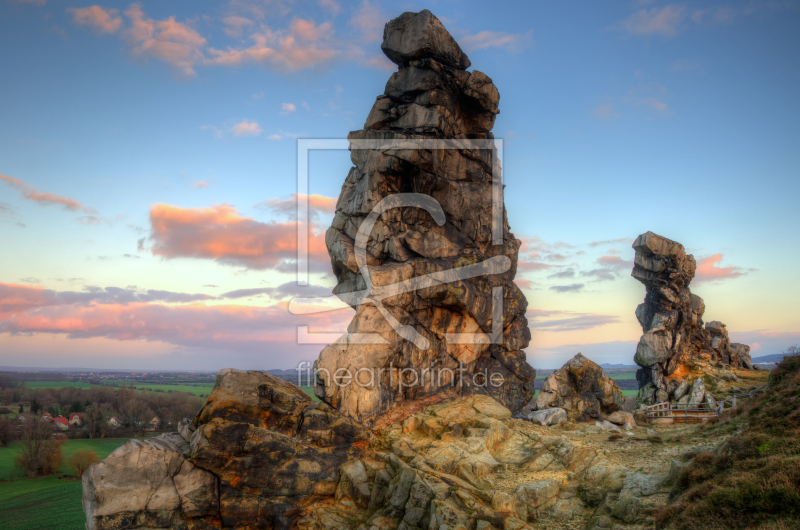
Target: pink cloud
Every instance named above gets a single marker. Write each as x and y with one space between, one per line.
170 41
100 19
246 128
45 198
309 30
282 51
523 283
200 184
707 270
532 266
26 309
316 204
221 234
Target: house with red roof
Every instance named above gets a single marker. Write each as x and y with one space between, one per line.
76 418
61 422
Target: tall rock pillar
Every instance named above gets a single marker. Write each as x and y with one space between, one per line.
675 343
420 244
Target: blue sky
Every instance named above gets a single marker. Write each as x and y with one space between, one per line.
129 132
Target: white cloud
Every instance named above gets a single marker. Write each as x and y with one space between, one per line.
513 42
655 21
287 108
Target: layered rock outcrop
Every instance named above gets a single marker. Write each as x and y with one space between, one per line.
257 453
582 390
420 243
261 455
675 342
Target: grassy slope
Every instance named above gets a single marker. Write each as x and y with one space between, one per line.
48 502
754 482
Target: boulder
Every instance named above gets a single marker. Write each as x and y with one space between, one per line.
433 269
607 426
416 36
149 481
581 388
548 417
698 391
674 340
620 417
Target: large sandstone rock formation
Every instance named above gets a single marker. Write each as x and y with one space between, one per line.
581 388
447 231
674 340
261 455
257 451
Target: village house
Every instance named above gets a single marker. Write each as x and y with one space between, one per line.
61 422
76 418
154 423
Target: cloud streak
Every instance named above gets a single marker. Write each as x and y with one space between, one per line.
512 42
561 321
45 198
121 314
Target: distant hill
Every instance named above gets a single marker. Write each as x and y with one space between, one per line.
774 358
609 366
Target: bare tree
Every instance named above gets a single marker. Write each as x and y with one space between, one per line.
95 420
41 452
136 414
792 350
81 460
7 428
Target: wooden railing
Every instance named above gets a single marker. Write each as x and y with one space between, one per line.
696 411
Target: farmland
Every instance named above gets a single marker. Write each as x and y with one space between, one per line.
48 502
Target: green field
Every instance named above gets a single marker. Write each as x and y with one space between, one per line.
49 502
626 375
102 446
58 384
198 389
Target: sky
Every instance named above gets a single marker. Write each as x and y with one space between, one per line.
148 168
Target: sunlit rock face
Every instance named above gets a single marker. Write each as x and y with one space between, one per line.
449 227
675 342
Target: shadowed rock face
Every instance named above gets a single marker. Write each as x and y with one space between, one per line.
671 317
430 97
255 454
580 388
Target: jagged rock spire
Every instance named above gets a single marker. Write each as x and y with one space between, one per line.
431 97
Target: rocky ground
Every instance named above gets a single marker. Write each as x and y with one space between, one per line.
261 455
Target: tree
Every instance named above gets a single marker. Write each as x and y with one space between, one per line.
792 350
136 414
81 460
41 452
36 407
21 408
95 420
6 431
76 406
